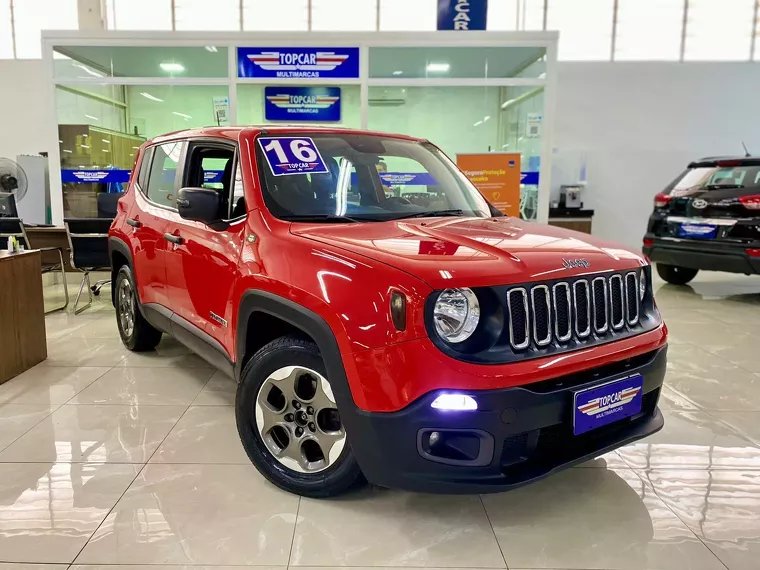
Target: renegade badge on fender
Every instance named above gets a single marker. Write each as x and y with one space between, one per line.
385 324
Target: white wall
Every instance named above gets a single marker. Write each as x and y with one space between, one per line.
24 108
639 124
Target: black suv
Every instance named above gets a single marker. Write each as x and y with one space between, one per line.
707 218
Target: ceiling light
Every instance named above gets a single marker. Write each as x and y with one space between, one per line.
151 97
183 115
60 141
398 72
91 117
84 146
477 124
212 49
106 141
106 150
486 118
506 104
172 67
136 147
437 67
67 150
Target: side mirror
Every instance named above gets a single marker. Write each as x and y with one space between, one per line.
200 205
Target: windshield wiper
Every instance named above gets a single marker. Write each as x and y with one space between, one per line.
322 218
719 186
431 214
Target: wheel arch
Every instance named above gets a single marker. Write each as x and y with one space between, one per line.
293 319
119 254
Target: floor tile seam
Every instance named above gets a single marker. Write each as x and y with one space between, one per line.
732 428
293 536
493 531
648 483
129 486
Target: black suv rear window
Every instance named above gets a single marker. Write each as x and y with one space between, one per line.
715 178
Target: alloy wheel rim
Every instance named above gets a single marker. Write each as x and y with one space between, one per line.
298 421
126 303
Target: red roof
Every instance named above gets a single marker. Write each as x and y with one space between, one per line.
235 133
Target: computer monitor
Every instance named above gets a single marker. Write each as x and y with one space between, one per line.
8 205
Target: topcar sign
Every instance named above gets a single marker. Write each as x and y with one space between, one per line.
462 15
300 62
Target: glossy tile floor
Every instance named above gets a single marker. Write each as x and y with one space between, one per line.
109 458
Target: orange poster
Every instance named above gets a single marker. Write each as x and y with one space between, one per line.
497 176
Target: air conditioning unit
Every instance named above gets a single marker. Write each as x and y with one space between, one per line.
387 97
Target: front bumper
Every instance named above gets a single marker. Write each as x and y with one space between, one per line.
710 255
526 433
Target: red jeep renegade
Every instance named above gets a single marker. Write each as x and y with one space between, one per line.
383 321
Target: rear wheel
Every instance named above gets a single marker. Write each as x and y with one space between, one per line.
289 423
136 333
675 274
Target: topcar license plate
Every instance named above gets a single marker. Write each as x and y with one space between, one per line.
697 231
597 407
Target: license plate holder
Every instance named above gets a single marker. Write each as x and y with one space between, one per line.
698 231
601 405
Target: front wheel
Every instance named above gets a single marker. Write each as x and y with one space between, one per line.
675 274
289 423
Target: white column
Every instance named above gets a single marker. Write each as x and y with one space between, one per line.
91 14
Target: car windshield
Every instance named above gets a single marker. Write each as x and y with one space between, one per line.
365 178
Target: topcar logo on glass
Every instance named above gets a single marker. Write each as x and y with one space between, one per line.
321 62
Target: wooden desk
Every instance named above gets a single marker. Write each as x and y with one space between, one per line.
50 237
22 313
571 219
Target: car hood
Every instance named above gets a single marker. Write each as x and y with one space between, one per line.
474 252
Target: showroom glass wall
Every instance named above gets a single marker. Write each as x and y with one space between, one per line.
112 91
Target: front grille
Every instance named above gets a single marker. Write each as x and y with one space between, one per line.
563 329
617 295
517 303
631 299
542 314
574 311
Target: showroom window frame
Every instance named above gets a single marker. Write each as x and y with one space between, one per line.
363 40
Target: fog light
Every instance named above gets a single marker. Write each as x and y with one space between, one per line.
454 402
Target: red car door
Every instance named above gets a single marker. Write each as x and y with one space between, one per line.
203 266
154 192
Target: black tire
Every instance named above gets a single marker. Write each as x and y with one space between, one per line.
675 274
288 351
143 336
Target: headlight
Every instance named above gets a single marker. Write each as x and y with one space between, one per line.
456 314
642 284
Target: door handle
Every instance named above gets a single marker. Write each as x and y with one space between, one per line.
134 223
174 239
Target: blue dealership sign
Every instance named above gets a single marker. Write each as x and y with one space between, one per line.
302 104
462 14
292 155
95 176
299 62
529 178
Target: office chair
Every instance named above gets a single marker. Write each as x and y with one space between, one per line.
14 227
107 205
88 240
